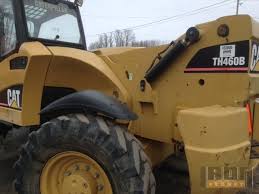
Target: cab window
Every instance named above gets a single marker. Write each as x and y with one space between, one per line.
7 28
55 22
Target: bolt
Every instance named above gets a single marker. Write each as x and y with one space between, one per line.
87 168
68 173
85 185
100 187
77 167
97 175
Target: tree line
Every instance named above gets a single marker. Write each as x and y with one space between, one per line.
122 38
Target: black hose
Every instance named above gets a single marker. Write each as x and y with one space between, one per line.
162 65
173 51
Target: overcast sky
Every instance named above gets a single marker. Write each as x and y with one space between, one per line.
101 16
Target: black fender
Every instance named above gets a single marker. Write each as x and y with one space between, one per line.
88 101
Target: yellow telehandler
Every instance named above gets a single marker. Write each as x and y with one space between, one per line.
174 119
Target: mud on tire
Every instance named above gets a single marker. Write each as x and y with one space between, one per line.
119 153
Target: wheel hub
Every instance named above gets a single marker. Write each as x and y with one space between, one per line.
74 173
75 184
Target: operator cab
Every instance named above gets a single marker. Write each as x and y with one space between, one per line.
51 22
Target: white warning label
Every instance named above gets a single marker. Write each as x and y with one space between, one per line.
227 51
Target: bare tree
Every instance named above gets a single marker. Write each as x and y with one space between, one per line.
118 38
101 41
147 43
110 40
122 38
94 45
129 37
104 41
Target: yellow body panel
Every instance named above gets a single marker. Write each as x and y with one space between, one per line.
32 80
214 135
174 89
83 70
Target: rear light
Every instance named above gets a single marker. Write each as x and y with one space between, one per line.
250 120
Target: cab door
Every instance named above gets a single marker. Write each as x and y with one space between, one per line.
10 80
10 60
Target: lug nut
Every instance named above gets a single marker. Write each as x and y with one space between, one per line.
87 168
77 167
85 185
97 175
68 173
100 187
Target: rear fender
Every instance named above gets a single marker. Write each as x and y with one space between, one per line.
88 101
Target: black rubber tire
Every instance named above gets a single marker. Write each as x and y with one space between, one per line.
7 176
119 153
172 176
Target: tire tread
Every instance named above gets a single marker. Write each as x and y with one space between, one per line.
126 151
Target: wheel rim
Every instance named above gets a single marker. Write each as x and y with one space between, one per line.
74 173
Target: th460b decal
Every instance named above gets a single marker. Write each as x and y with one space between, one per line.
232 57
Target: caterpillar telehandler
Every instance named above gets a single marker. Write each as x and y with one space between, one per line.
112 121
